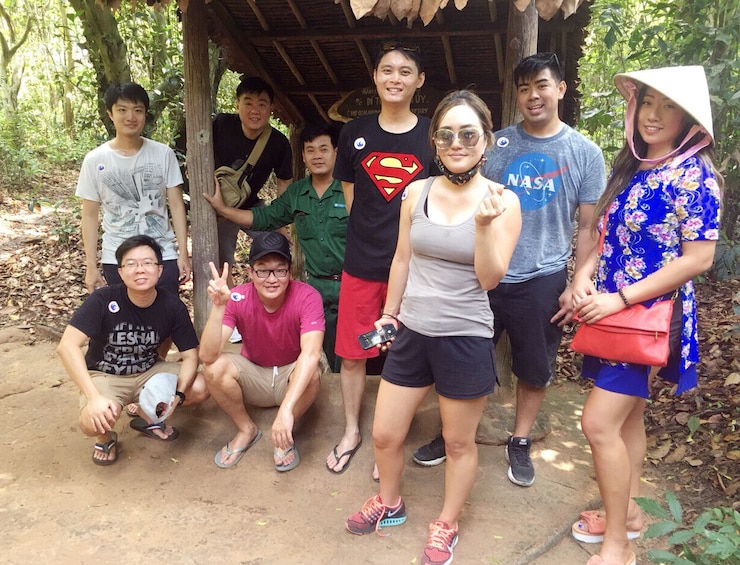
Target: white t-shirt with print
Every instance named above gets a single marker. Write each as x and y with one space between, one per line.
132 191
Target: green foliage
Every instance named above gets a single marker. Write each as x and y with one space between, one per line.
19 164
713 538
67 215
67 218
226 95
726 259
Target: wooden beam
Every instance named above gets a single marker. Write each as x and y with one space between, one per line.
203 232
258 14
315 44
374 34
492 11
325 62
318 107
276 43
298 15
500 63
447 47
352 25
340 93
497 44
288 61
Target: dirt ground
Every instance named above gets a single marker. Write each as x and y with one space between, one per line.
169 503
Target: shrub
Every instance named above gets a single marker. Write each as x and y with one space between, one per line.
713 538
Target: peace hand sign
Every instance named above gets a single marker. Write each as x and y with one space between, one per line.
218 289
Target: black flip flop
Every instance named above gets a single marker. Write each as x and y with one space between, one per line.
105 448
350 453
141 425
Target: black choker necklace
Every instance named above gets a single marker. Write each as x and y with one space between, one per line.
459 178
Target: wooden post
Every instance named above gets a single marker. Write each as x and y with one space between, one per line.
199 153
521 41
299 171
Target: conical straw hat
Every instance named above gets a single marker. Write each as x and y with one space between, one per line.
686 86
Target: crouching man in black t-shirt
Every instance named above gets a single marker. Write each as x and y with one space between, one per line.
125 324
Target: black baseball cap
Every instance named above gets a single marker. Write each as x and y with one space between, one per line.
269 242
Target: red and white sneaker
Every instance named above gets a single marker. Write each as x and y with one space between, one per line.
441 540
374 515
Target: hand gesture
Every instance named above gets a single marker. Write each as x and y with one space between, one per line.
218 289
103 414
215 199
93 280
492 206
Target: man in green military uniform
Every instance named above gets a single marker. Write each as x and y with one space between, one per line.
315 204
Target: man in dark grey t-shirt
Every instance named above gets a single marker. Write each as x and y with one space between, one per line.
556 172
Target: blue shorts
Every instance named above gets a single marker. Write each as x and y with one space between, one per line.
460 367
629 378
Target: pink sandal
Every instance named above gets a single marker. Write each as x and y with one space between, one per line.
591 527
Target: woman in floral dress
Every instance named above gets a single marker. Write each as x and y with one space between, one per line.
660 220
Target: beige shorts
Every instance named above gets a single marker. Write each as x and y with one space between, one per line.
125 388
266 386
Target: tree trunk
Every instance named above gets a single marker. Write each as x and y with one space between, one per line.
68 111
199 153
521 34
106 49
10 74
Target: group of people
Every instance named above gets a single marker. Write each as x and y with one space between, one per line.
399 214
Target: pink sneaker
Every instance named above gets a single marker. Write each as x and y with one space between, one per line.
441 540
374 515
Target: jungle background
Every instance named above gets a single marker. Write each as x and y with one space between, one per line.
57 58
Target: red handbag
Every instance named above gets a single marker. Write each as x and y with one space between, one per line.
634 335
637 334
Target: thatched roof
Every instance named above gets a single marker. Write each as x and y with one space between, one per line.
317 52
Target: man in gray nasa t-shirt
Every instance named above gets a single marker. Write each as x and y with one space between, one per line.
555 171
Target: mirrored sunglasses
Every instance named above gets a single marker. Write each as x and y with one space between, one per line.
468 137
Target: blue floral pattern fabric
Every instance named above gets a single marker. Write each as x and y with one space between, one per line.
646 225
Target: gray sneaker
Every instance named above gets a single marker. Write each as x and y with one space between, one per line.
431 454
521 470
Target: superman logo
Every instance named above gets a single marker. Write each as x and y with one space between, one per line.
391 172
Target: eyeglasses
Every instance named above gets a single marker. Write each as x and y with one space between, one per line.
468 137
264 273
147 264
394 45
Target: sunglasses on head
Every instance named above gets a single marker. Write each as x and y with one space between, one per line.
394 45
468 137
554 58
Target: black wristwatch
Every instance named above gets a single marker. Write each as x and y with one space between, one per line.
182 397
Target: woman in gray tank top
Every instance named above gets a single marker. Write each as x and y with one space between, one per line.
457 233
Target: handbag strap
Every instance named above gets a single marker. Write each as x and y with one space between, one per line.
259 147
256 153
602 235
